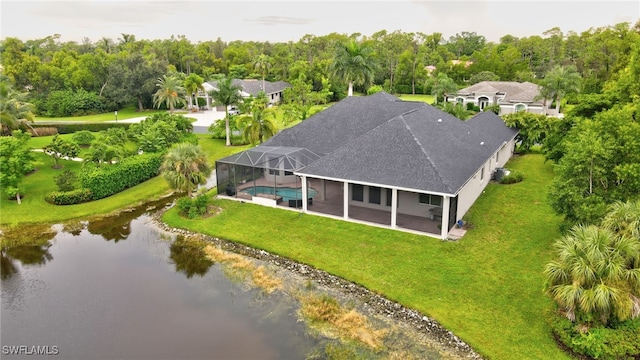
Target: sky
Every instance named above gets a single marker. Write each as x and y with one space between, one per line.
282 21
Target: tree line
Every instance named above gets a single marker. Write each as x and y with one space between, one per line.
124 71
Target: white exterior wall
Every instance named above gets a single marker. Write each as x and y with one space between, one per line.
472 189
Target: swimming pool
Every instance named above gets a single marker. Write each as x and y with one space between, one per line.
286 193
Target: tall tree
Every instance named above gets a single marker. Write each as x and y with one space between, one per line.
169 92
262 64
193 83
16 160
260 124
226 94
559 82
443 85
354 63
185 167
15 112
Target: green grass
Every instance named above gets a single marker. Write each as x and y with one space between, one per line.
38 184
123 114
486 288
429 99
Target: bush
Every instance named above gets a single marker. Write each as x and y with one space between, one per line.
69 197
83 137
72 103
618 342
69 128
193 208
66 180
108 180
512 178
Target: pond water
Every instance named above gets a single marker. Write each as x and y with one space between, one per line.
119 288
123 292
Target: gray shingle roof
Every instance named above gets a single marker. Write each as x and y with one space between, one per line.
381 140
416 151
334 127
253 87
514 91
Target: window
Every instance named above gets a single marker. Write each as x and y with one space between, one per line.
274 172
520 107
288 173
429 199
482 174
460 100
498 155
374 194
357 192
389 196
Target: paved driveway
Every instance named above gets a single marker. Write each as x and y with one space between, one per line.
203 119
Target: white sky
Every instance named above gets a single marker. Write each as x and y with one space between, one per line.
281 21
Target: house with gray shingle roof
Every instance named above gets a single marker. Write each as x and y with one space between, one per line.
510 95
251 87
375 159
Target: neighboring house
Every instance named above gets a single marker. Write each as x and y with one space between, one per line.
250 87
510 95
374 159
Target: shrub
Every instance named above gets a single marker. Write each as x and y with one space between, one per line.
193 208
108 180
512 178
618 342
83 137
374 89
72 103
66 180
69 128
69 197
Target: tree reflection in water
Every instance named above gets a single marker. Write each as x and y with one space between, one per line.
189 257
27 244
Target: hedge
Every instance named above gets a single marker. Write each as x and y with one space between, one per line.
69 197
108 180
600 342
69 128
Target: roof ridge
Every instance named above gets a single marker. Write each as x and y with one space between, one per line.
424 151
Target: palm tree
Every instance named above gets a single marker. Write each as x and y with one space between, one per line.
354 63
443 85
624 219
227 94
263 65
185 167
560 81
192 84
592 277
169 92
260 124
15 113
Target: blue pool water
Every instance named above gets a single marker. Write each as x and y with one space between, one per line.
286 193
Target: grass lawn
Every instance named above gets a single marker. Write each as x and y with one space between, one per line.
429 99
486 288
123 114
38 184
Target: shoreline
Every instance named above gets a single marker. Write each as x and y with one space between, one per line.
375 304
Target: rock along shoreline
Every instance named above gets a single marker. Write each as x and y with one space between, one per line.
375 303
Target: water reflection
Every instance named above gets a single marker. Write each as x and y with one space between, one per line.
189 257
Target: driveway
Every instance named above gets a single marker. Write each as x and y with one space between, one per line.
203 119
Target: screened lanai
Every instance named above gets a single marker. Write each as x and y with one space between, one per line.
265 174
